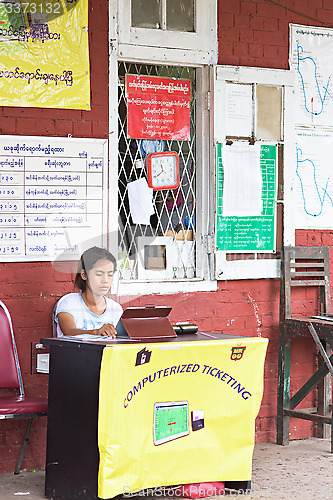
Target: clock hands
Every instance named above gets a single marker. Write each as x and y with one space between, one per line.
161 172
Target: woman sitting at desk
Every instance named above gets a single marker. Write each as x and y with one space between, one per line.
89 311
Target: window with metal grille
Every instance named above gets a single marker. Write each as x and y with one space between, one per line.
164 249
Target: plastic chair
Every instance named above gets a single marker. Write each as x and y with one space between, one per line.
18 405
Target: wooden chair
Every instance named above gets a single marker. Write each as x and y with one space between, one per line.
305 267
15 405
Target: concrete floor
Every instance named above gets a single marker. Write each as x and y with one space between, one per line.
300 471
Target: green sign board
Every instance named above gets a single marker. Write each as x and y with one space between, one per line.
249 233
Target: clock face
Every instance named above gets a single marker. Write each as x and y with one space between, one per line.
163 170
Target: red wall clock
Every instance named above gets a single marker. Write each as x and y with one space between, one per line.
163 170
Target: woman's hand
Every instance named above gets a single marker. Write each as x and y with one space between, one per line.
68 327
106 330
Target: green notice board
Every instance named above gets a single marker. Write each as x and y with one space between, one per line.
249 233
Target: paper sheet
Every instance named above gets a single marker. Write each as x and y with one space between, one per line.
239 110
140 197
242 181
311 192
96 338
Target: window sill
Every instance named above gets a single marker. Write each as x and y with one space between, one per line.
165 287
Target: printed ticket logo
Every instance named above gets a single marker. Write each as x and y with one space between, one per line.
237 353
143 357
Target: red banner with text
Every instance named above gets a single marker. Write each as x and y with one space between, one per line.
158 108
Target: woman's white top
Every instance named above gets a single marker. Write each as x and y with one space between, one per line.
84 319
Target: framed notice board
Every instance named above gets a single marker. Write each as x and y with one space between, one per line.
246 182
53 197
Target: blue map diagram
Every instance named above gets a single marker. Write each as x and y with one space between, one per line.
315 94
314 190
310 189
311 58
314 178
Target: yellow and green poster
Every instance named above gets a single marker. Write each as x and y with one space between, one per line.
44 58
178 413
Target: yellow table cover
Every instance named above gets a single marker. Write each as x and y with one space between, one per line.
221 380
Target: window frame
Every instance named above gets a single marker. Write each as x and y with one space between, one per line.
199 47
123 45
221 75
204 280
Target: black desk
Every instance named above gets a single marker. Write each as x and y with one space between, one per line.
72 457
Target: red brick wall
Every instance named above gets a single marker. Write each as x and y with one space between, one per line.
256 32
30 290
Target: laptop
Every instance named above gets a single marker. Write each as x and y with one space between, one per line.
145 323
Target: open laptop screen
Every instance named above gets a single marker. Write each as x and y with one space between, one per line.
171 421
146 323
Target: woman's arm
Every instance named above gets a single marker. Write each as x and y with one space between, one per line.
68 327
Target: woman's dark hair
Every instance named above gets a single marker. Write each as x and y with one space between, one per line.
88 260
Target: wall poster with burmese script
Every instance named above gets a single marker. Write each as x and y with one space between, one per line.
158 108
53 197
44 54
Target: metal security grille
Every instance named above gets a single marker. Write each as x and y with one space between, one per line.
164 249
